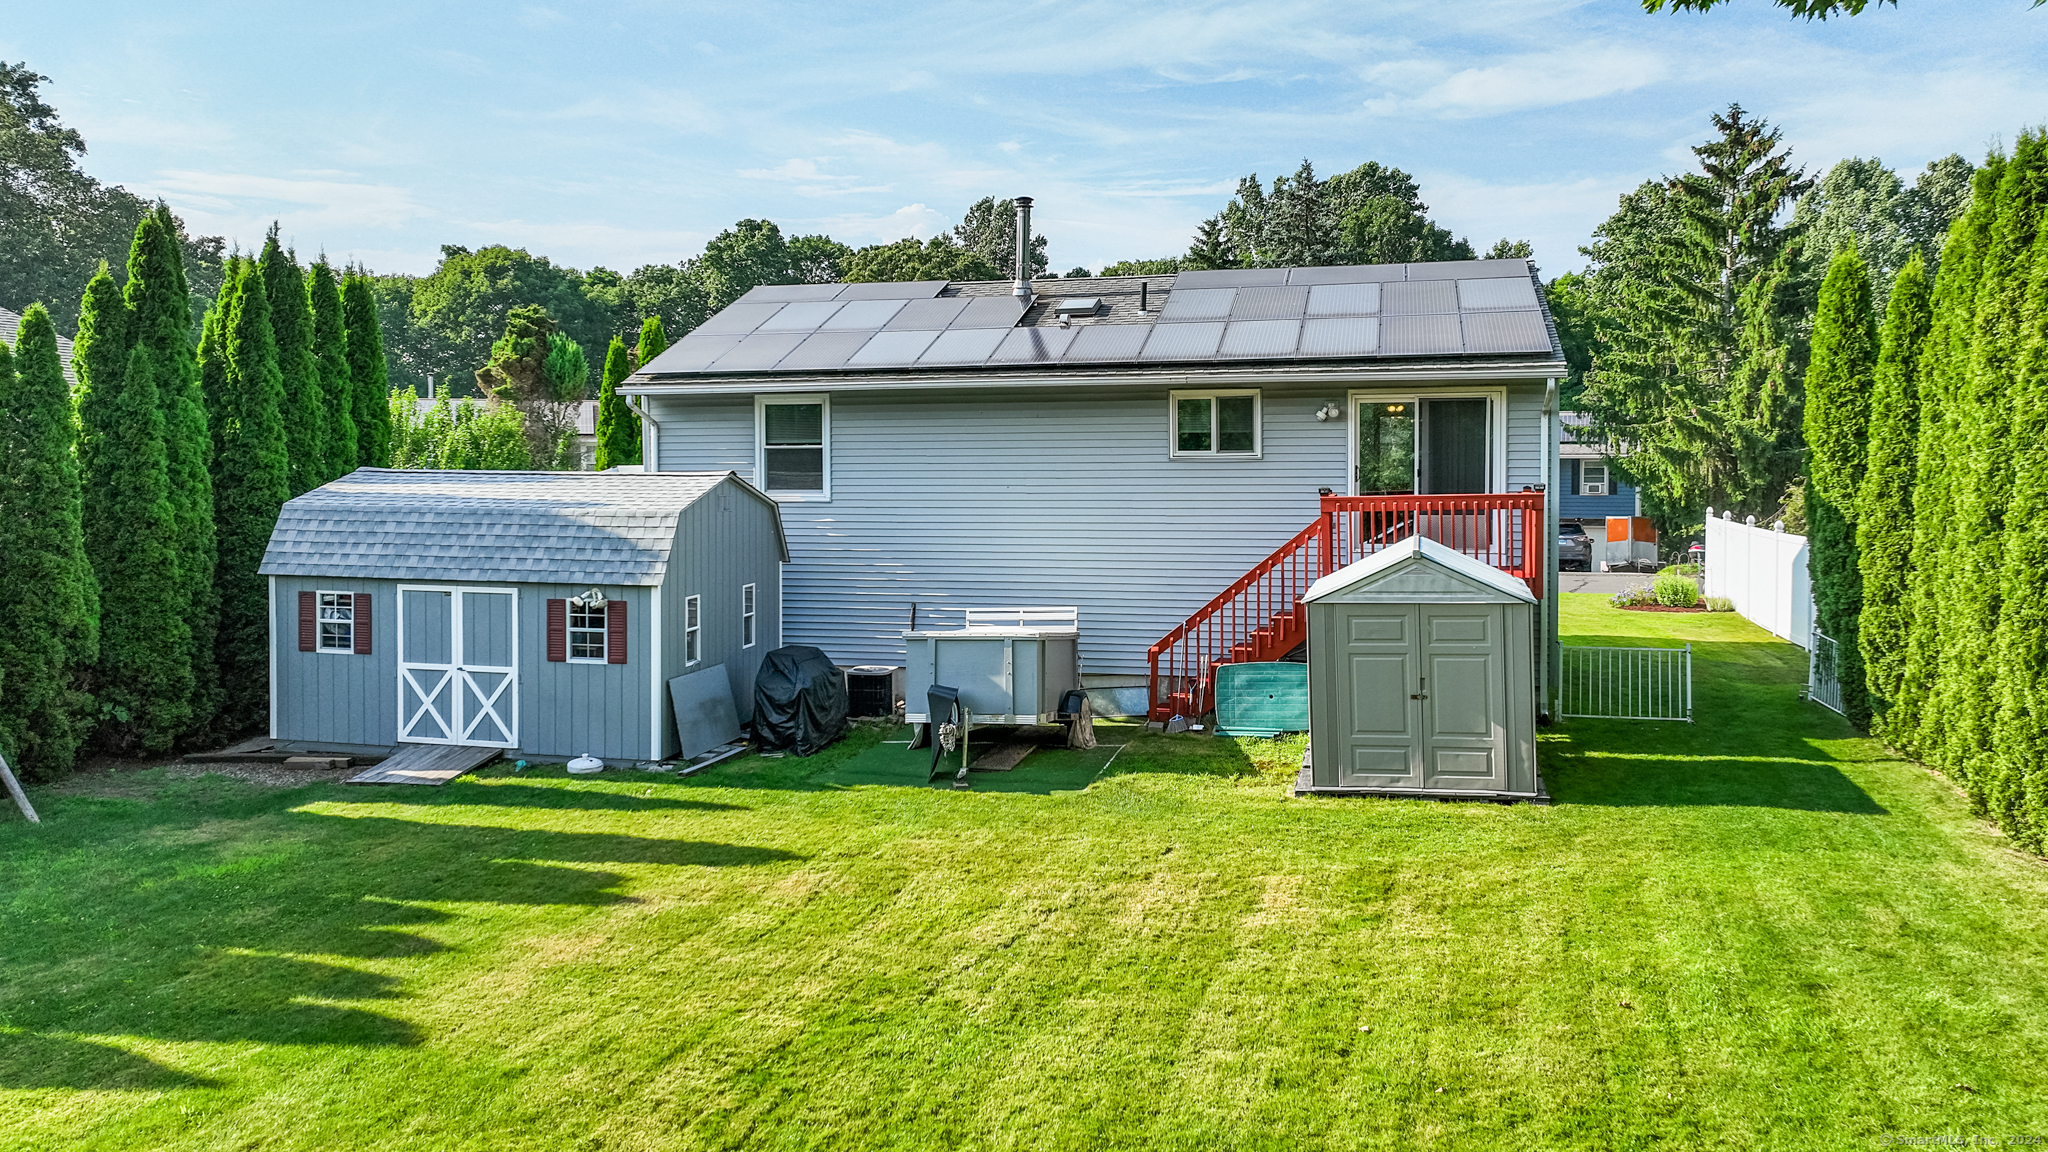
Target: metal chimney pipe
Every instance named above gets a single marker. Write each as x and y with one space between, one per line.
1021 287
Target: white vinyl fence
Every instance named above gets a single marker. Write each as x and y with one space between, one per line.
1628 683
1764 572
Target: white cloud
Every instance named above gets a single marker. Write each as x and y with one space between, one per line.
1516 84
811 180
583 244
241 206
917 220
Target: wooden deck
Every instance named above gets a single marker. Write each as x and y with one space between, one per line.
426 764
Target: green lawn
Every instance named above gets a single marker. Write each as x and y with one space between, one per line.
1756 931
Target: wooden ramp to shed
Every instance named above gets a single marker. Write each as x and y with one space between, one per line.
426 764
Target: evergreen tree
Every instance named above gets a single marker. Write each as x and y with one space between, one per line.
249 487
653 342
159 309
49 603
98 357
1884 506
369 378
291 325
1839 382
618 429
2019 796
330 352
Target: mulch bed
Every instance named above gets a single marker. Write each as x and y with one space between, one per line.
1659 608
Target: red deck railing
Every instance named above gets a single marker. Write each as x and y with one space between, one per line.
1258 617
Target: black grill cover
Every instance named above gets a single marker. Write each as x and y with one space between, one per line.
799 701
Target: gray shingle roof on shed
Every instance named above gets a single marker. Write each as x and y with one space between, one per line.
555 527
10 332
1462 311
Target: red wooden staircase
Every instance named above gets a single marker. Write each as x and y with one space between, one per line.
1260 616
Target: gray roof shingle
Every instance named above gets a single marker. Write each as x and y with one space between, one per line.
554 527
10 331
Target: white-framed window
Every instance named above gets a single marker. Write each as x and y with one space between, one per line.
587 632
338 622
1592 479
793 446
746 615
693 630
1217 424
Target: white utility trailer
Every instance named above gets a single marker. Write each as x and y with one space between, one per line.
1009 665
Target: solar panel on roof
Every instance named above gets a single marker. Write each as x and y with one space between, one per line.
1498 292
693 353
1269 304
1412 299
1183 341
863 314
1231 278
759 352
1032 345
963 346
822 351
1197 303
1343 299
785 292
1506 332
804 316
896 290
891 348
989 312
1340 336
1260 338
737 320
928 315
1420 335
1467 269
1347 274
1103 342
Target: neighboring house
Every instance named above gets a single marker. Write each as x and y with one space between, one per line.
539 611
1591 487
586 425
1150 449
10 332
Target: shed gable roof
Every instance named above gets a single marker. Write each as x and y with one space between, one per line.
556 527
1418 569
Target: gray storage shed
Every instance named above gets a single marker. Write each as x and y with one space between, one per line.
1422 678
539 612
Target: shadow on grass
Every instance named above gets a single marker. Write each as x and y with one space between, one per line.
29 1060
531 795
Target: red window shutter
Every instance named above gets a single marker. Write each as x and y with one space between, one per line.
309 621
558 631
362 601
615 631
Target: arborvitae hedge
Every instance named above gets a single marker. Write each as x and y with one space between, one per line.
330 352
49 603
369 380
618 431
1884 507
249 487
2018 795
1839 382
305 406
98 357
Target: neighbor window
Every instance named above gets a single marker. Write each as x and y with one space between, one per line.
693 630
1215 424
794 432
747 616
586 631
337 622
1593 479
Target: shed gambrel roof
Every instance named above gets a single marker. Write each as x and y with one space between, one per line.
554 527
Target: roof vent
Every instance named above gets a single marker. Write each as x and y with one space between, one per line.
1086 306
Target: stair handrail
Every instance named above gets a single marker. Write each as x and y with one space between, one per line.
1317 533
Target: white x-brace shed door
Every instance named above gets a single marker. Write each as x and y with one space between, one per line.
458 666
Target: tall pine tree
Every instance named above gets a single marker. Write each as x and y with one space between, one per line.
1884 507
306 432
249 486
330 352
1839 381
618 429
369 376
49 603
2019 797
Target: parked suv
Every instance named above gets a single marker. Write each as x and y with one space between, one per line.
1574 548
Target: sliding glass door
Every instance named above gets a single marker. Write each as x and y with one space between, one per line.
1430 446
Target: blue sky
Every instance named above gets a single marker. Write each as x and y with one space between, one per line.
629 133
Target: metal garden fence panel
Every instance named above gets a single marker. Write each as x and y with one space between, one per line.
1628 683
1821 686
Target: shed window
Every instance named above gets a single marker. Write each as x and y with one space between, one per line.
795 436
747 616
1592 479
693 630
1216 423
586 631
337 622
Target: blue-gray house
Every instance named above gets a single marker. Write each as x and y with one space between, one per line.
539 612
1176 455
1592 488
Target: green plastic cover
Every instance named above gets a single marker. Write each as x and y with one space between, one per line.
1261 699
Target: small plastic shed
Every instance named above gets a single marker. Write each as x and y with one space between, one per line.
1422 678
